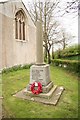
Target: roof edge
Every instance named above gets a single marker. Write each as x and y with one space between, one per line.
10 1
28 12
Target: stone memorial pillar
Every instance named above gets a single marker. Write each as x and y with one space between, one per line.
39 72
39 43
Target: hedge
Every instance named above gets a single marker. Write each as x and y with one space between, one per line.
72 65
67 52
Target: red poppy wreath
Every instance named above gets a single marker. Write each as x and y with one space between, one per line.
39 88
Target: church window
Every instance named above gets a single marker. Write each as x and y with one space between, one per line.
20 25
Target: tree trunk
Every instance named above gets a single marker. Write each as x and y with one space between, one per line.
45 52
64 44
52 51
52 55
49 57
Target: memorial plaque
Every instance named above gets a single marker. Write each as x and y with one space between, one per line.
37 74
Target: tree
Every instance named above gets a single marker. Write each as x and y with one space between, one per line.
69 7
44 11
72 6
66 38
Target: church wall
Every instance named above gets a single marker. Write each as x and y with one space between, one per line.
25 50
7 37
15 51
8 52
0 41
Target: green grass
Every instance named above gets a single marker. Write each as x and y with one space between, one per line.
18 108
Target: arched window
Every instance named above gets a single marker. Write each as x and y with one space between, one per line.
20 25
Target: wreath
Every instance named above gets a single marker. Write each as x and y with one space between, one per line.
39 88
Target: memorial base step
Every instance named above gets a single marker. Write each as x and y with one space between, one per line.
53 100
43 95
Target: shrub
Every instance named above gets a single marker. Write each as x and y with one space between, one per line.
15 68
72 65
26 66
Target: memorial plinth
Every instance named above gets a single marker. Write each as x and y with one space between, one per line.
40 74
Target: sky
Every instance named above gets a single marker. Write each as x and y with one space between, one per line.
69 21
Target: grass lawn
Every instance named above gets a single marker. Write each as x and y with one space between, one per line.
18 108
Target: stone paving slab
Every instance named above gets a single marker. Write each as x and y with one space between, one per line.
52 101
